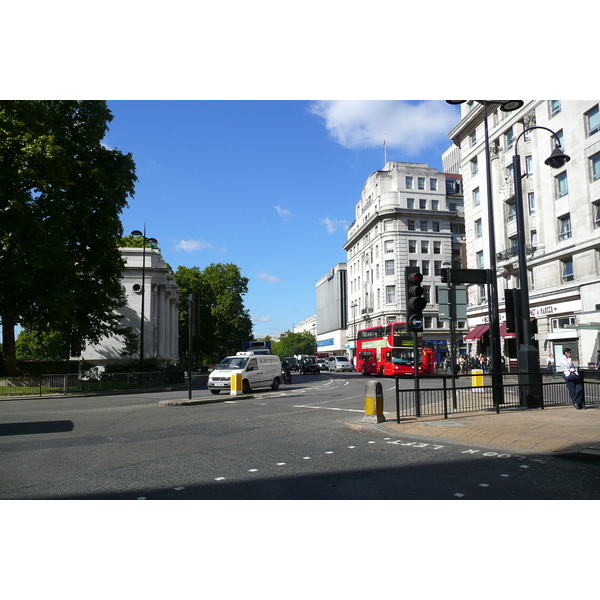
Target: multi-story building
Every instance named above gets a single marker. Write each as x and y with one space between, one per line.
562 220
161 311
332 315
408 215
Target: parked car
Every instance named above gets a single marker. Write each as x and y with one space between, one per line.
322 362
309 365
339 363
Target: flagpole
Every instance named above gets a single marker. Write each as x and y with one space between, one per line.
384 151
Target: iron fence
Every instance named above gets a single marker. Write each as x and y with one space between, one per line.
72 383
447 400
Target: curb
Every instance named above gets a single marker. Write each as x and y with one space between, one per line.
197 401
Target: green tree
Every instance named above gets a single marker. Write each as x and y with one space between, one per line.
42 345
61 194
294 344
224 323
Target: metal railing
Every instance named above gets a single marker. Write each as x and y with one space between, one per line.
447 400
107 382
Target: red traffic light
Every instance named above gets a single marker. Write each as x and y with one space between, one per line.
415 278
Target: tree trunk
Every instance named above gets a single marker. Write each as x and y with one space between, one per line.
8 347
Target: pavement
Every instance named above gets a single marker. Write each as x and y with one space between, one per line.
559 430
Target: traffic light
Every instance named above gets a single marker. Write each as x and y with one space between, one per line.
415 303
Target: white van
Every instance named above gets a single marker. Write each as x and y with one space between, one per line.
258 371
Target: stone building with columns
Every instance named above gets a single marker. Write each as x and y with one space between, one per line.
161 312
561 214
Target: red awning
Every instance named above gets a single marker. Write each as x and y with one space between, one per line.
505 334
476 332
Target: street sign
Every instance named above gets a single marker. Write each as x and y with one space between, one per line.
465 276
416 322
444 303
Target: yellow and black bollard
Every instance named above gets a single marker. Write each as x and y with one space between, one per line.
373 402
236 384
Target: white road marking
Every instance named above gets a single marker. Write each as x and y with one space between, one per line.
219 478
329 408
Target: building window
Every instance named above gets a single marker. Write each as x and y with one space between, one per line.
435 205
534 238
567 270
421 182
476 198
437 247
424 247
388 225
427 293
482 293
427 322
390 294
389 267
412 263
596 208
473 138
592 120
562 185
389 246
555 107
437 267
377 271
435 226
509 138
564 227
410 225
433 185
479 259
456 228
410 203
595 165
412 246
531 202
425 267
409 183
423 225
529 165
423 204
474 166
478 229
561 138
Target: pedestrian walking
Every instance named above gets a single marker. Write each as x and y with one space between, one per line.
572 379
551 366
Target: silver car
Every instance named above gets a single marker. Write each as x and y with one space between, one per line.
339 363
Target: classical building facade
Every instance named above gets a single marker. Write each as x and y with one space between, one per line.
161 310
408 215
562 220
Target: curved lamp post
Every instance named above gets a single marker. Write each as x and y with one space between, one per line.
493 302
528 355
151 241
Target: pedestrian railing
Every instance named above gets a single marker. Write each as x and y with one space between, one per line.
450 399
105 382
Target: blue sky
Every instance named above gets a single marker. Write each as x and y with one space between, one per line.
270 186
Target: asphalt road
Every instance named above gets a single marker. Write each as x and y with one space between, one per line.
289 444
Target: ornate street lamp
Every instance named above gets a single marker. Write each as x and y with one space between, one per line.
150 241
528 355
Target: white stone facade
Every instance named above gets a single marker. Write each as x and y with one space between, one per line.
161 311
408 215
562 217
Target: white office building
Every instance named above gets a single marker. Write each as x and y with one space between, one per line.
562 220
408 215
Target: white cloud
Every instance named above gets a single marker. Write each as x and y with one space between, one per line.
192 245
267 277
263 319
407 126
333 225
284 213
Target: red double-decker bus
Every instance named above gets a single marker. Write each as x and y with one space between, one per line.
388 350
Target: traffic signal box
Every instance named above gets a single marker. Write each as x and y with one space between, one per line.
415 303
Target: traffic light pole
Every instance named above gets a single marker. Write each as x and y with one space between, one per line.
416 371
